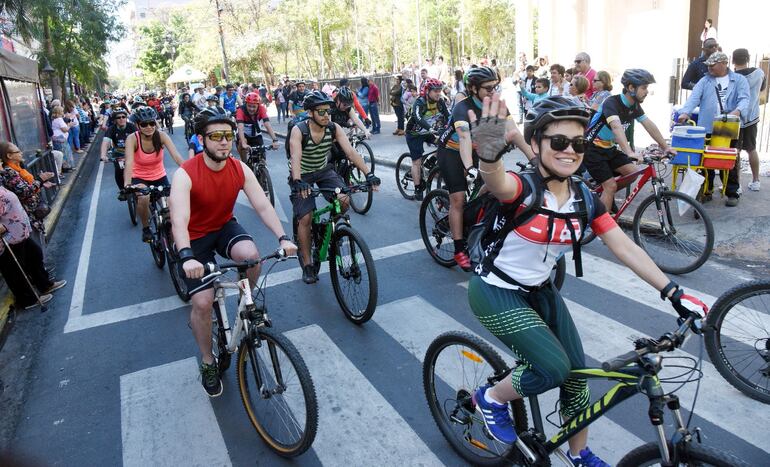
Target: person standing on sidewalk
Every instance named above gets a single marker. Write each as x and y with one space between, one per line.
747 141
374 105
398 107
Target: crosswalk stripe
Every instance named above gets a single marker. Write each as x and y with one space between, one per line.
351 409
167 419
414 323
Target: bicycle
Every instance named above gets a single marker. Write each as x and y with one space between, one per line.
358 141
119 162
188 127
404 179
437 236
738 338
332 238
257 161
456 363
162 246
676 241
275 385
360 201
168 118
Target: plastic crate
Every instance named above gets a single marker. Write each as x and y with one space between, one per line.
719 158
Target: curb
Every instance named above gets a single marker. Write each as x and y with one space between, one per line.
6 300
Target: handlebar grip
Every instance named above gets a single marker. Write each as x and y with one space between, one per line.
620 361
210 268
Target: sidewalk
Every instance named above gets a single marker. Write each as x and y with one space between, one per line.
741 232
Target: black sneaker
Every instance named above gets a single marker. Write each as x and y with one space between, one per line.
308 274
210 379
146 235
418 193
121 195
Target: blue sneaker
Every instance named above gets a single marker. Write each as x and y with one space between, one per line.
496 417
588 459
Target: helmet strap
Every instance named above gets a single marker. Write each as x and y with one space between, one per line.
476 100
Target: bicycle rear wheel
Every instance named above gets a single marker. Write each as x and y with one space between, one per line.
455 365
738 338
674 230
695 454
354 278
404 179
434 227
277 392
156 245
263 177
131 202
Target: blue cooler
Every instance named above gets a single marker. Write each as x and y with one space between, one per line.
675 116
689 142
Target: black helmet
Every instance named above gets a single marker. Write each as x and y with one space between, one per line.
478 75
316 98
211 115
551 109
345 95
637 77
138 100
119 110
145 114
212 97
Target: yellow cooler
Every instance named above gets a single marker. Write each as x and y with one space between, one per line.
726 128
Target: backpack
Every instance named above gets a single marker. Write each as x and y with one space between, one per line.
483 239
304 127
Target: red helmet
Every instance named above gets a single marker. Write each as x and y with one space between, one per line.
253 98
430 84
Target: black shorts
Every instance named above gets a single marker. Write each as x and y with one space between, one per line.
602 163
747 140
452 169
220 242
325 178
416 144
159 182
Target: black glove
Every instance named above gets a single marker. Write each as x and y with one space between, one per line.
372 179
367 122
686 304
298 186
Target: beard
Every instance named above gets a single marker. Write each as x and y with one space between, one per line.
214 156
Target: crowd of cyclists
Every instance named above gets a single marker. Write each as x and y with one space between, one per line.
510 292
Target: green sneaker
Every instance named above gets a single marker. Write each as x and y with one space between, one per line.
210 379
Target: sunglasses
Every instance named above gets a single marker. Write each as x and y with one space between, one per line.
146 124
120 117
323 112
578 61
561 142
491 88
221 134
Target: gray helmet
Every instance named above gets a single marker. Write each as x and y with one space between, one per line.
345 95
637 77
211 115
316 98
478 75
138 100
145 114
552 109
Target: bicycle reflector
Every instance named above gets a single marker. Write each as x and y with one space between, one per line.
471 356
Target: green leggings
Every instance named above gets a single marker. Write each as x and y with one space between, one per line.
538 327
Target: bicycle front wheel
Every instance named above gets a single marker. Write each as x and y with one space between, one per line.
219 339
434 180
360 201
277 393
455 365
404 179
695 454
175 268
366 153
675 231
131 202
156 245
738 338
354 278
434 227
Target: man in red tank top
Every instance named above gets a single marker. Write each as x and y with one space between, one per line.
203 195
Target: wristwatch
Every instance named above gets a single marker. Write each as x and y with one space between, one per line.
284 237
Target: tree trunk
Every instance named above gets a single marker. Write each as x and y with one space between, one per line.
54 78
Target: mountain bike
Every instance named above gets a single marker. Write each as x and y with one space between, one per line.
257 161
188 128
457 363
162 245
437 236
274 382
168 118
351 265
404 179
120 163
671 227
360 201
738 338
358 141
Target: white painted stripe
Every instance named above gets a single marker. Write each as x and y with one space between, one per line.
414 323
604 338
243 200
167 419
81 277
356 424
162 305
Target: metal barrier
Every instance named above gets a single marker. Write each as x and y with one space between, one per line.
45 162
384 82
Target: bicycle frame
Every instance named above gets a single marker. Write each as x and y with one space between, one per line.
334 209
245 303
647 173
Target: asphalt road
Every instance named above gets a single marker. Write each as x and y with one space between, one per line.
111 369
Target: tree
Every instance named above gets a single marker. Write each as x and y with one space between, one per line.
154 58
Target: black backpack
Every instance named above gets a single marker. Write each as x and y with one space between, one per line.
304 128
484 239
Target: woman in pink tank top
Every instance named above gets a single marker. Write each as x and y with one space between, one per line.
144 161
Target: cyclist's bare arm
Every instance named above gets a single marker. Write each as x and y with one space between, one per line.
513 136
242 136
295 149
620 137
632 255
357 121
653 131
106 143
168 144
269 129
260 202
179 206
466 145
350 153
129 165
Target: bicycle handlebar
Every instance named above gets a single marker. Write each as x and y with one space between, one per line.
361 187
214 269
164 190
666 343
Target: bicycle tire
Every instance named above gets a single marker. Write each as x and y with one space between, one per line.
170 125
696 235
174 268
476 352
219 340
404 180
368 154
357 312
434 181
738 338
695 454
360 201
131 202
434 226
248 362
156 245
263 177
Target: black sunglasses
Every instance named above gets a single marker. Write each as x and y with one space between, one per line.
146 124
561 142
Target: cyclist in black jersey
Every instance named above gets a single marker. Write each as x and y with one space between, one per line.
343 113
512 295
457 156
116 137
427 116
